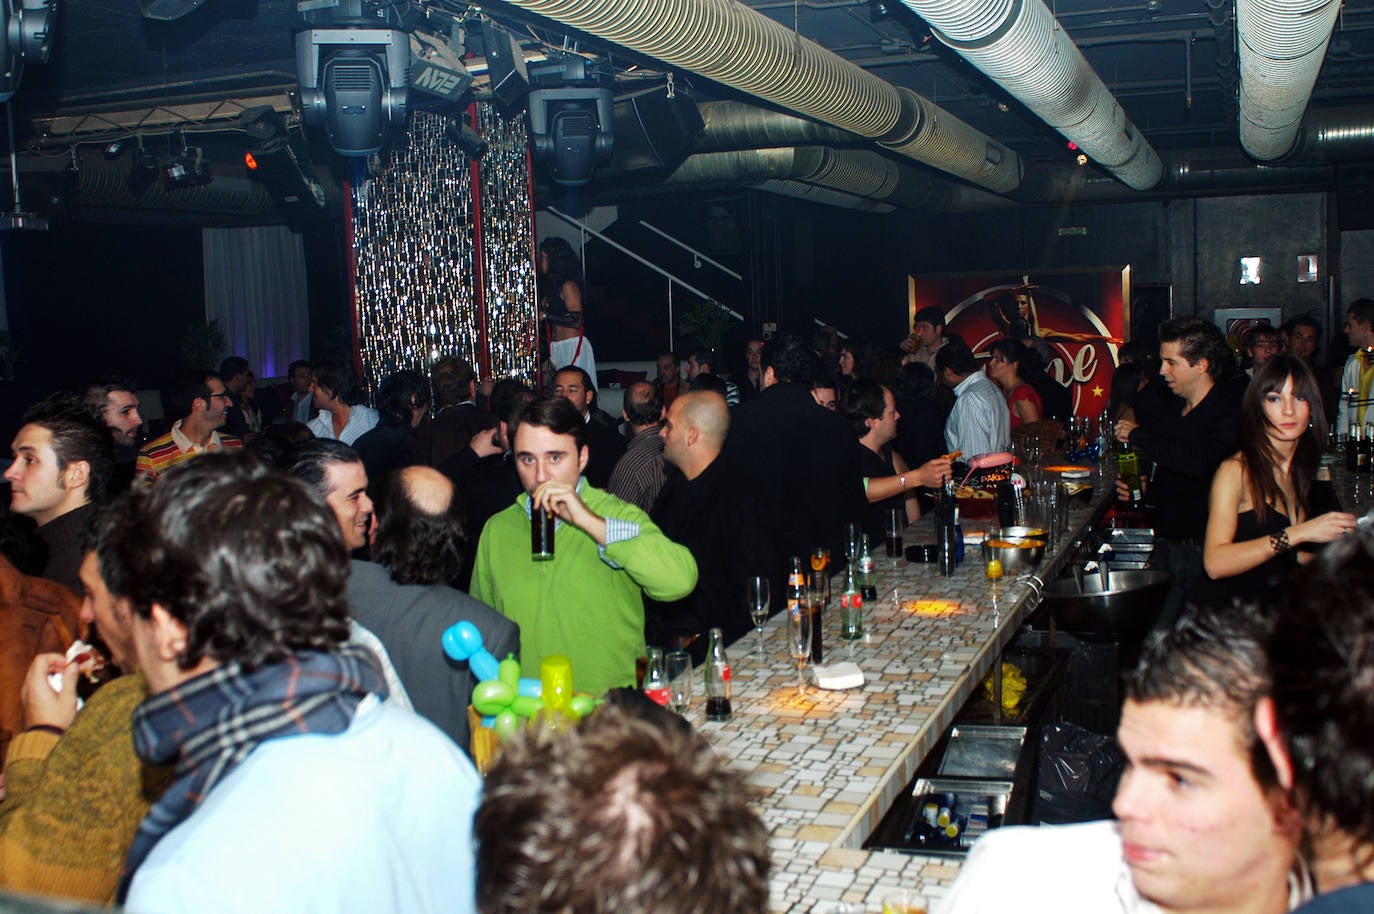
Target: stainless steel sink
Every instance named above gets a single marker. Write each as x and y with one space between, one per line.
1126 609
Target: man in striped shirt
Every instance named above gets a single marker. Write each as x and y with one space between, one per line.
195 434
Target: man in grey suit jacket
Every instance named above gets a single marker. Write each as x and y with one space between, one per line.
405 600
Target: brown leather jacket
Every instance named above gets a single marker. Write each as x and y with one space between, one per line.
36 615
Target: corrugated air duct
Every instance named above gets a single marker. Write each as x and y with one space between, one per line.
823 195
1282 45
732 44
737 125
853 172
1020 45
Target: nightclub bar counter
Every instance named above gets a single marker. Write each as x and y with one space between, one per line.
825 766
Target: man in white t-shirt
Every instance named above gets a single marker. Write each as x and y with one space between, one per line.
1202 824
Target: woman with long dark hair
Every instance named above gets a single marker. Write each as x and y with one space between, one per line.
855 362
1022 399
560 302
1264 504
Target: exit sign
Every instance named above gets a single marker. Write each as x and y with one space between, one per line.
1073 230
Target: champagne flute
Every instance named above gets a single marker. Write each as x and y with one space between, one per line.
799 641
759 599
852 532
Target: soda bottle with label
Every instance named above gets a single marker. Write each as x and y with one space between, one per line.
851 608
717 678
868 585
796 586
1128 468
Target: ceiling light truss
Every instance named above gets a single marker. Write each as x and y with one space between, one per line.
192 117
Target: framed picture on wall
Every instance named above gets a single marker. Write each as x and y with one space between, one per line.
1237 323
1078 317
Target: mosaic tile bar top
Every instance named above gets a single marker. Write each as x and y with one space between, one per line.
825 766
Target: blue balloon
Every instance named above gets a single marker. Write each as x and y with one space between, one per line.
489 723
462 640
483 665
530 688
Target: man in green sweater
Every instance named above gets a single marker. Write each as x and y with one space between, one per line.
587 602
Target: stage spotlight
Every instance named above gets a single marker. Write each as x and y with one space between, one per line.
113 150
274 161
143 171
25 36
353 83
186 170
468 140
571 118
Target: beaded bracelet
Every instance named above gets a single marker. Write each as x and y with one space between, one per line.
1279 542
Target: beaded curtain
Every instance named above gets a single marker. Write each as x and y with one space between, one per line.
440 269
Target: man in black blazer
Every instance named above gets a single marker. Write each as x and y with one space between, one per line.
796 457
605 444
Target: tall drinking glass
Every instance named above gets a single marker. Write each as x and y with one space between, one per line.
758 598
678 665
896 523
799 642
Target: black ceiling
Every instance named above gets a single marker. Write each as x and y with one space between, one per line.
1172 64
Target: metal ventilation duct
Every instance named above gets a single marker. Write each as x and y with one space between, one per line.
1343 134
823 195
735 45
1282 45
737 125
1021 46
857 173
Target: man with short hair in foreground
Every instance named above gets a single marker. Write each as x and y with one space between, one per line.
1203 826
1316 727
620 815
298 787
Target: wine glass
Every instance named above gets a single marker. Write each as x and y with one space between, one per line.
759 599
799 641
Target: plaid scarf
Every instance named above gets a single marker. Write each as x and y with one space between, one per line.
213 722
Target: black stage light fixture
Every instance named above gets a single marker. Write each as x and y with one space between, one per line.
472 143
572 124
508 78
143 170
187 169
352 66
272 160
26 28
112 150
437 69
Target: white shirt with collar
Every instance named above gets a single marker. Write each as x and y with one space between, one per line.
980 422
